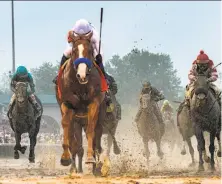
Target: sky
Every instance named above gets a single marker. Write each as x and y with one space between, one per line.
180 29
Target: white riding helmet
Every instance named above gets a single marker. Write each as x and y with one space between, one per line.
82 27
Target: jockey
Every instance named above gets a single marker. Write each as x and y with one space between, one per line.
156 96
22 75
166 107
113 88
202 63
83 27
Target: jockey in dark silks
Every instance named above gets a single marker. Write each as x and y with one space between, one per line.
156 95
22 75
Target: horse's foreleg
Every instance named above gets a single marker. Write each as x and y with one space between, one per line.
159 150
32 138
211 149
146 151
66 120
191 150
17 144
183 151
72 147
93 111
109 143
79 146
219 144
200 146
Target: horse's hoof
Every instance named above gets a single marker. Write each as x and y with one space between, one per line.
97 170
65 162
212 168
207 159
90 160
73 170
23 149
16 155
117 150
31 160
219 153
183 152
191 164
160 154
200 168
80 171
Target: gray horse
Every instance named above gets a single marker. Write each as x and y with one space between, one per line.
205 115
186 130
23 120
148 126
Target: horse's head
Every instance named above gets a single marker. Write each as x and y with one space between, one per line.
201 87
21 92
82 56
146 99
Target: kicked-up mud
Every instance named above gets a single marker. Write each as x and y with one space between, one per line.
130 167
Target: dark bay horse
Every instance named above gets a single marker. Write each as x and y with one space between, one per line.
79 93
23 120
205 115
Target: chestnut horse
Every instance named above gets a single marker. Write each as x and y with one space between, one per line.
80 83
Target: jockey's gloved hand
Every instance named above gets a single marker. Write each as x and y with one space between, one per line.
98 59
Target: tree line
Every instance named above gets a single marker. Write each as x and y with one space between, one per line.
129 72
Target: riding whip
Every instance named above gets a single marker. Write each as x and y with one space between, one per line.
217 65
101 21
176 101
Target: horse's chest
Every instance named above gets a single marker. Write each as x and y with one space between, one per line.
23 123
83 93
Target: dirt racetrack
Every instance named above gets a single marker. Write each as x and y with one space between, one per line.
40 176
127 168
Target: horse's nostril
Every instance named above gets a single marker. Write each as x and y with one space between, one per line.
77 75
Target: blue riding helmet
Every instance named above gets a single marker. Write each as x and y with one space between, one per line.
22 70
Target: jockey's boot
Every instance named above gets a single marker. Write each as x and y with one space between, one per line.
63 60
38 109
55 80
36 106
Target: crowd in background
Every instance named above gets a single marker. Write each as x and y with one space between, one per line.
43 138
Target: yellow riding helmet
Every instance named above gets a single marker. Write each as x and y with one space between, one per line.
166 102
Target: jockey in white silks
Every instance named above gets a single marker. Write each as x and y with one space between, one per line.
83 27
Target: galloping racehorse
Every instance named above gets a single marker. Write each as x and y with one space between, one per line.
23 120
148 126
79 87
205 115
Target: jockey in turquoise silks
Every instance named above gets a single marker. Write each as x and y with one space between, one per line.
22 75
